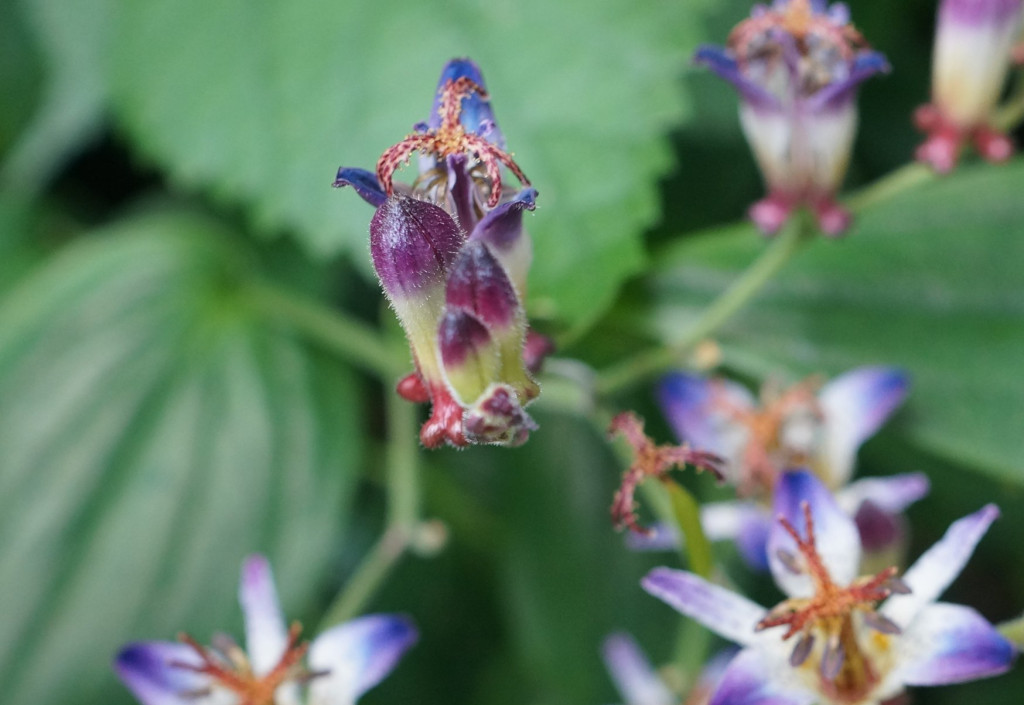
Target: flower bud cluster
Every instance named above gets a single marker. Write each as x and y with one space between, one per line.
452 257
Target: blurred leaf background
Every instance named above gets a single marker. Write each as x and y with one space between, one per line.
162 161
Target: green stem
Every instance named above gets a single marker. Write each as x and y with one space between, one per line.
895 182
695 544
403 489
1012 111
651 362
353 340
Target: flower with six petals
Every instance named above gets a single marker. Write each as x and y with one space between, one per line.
839 647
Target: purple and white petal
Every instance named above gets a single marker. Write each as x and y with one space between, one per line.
147 669
932 573
266 635
724 64
752 540
836 94
690 403
634 678
891 494
356 656
720 610
950 644
856 404
836 537
752 678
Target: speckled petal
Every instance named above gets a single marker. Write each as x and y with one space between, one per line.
751 679
836 537
635 679
950 644
145 667
932 573
855 405
356 656
722 611
266 635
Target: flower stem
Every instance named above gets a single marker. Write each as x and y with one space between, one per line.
1014 631
351 339
686 512
651 362
403 491
892 184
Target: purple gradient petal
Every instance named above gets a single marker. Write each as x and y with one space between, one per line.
750 679
752 541
879 530
721 62
855 405
461 335
950 644
688 403
503 226
478 284
974 13
356 656
722 611
634 678
932 573
461 191
364 182
836 537
145 667
413 243
266 635
839 94
661 537
477 114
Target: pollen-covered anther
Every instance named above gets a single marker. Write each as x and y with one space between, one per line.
228 668
451 138
649 460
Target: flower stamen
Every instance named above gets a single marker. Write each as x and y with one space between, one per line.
828 612
451 138
229 668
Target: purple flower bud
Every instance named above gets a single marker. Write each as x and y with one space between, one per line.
413 245
973 48
796 66
469 355
478 284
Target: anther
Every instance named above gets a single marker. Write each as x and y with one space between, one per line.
791 562
801 651
833 658
881 623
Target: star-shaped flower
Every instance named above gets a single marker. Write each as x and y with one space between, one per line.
808 425
340 664
847 650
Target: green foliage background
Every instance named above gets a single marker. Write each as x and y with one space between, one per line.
163 162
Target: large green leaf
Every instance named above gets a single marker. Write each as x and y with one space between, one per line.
261 102
929 280
154 431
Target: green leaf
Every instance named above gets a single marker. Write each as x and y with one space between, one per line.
260 103
73 40
154 431
20 74
929 281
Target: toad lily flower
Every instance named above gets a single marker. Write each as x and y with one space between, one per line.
340 664
973 51
796 65
830 642
452 256
799 427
